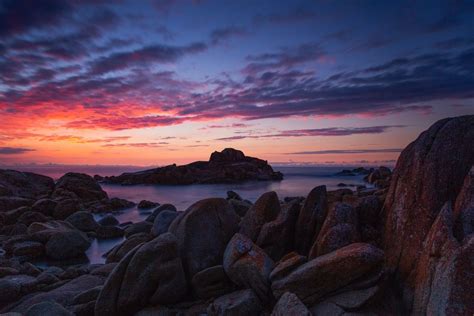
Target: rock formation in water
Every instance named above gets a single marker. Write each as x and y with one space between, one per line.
405 250
227 166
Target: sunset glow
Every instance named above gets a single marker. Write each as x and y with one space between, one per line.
163 81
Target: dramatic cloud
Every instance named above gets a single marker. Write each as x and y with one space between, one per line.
347 151
330 131
14 150
19 16
144 56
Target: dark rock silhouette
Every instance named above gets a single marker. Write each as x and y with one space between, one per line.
227 166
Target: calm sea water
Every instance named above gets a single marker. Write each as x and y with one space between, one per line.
298 181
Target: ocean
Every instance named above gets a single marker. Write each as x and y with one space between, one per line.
298 181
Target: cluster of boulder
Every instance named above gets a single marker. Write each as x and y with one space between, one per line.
379 177
41 218
228 166
405 250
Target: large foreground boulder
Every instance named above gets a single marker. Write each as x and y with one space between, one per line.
203 232
340 228
329 273
150 274
61 239
79 185
63 295
429 173
265 210
311 219
248 266
277 237
25 184
243 302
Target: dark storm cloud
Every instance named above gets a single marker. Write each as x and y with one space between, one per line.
347 151
14 150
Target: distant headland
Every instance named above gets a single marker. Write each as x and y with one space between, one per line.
228 166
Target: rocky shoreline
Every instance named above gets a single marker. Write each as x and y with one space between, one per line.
228 166
405 246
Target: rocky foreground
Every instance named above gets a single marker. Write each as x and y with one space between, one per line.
404 249
227 166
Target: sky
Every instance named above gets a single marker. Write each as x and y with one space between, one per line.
154 82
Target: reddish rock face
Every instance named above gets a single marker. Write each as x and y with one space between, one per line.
329 273
311 219
203 232
265 210
340 229
429 173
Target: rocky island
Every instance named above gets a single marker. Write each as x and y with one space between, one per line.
404 249
227 166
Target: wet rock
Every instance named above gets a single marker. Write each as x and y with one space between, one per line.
145 204
248 266
243 302
326 274
83 221
310 219
108 220
162 222
265 210
340 228
211 282
79 185
203 232
148 275
277 237
290 304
